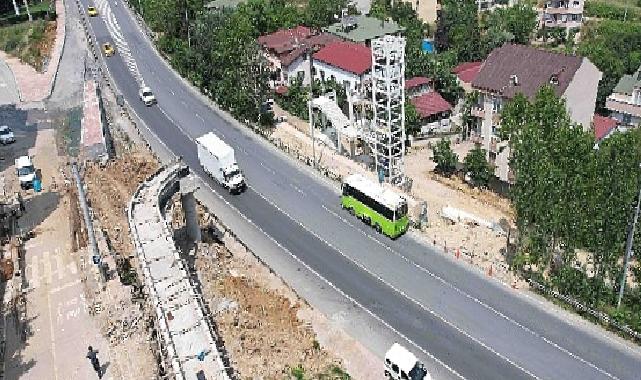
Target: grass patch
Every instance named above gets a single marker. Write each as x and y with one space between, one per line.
31 42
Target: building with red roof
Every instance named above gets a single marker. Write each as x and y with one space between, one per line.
417 86
434 112
603 126
285 50
344 62
466 73
350 57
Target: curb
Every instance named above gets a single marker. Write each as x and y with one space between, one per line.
54 77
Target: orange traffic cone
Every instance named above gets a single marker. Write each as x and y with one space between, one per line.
458 253
489 271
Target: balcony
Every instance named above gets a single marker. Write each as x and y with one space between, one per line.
564 10
478 112
618 104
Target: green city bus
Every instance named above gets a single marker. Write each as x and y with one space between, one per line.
381 208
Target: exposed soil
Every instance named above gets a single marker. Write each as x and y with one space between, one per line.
263 334
480 246
110 188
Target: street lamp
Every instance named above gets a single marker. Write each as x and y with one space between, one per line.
628 248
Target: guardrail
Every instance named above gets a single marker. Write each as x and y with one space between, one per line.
187 337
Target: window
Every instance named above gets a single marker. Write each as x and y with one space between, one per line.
395 368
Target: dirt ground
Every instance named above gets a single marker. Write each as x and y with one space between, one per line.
479 245
110 188
256 314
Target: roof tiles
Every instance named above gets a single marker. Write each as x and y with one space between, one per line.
348 56
532 67
429 104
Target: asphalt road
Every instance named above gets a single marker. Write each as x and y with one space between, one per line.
473 327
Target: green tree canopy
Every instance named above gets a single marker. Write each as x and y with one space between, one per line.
444 157
477 167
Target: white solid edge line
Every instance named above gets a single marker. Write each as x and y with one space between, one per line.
337 289
469 296
417 303
404 258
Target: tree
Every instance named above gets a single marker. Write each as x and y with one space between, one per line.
615 48
16 8
444 157
323 12
26 7
477 167
412 119
458 29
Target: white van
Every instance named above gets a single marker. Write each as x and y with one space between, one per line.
400 364
26 172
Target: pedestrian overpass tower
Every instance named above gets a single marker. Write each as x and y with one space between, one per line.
387 135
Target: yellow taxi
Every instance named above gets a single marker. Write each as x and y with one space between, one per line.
108 50
92 11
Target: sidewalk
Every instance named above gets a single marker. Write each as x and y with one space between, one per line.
32 85
60 326
8 90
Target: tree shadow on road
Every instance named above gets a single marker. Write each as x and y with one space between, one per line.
37 208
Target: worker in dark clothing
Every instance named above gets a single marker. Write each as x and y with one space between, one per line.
92 356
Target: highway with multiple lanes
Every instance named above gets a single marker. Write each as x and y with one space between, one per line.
471 327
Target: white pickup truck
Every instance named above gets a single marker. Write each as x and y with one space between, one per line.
217 159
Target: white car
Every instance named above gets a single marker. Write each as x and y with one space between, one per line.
147 96
26 172
6 135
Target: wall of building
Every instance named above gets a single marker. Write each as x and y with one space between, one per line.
425 9
339 75
300 65
581 93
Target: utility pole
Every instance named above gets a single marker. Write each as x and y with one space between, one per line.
188 32
310 51
628 248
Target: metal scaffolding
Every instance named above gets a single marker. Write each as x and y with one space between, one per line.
388 97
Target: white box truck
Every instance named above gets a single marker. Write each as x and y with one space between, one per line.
402 364
217 159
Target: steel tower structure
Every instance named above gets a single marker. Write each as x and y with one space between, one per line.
388 101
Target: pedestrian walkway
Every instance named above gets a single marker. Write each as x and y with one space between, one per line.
8 89
32 85
60 327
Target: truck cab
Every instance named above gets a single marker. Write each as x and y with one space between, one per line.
401 364
26 172
234 179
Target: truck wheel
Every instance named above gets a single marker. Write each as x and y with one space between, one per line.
351 211
378 228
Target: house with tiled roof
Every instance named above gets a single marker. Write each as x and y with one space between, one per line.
517 69
344 62
603 126
417 86
434 112
286 51
465 73
625 100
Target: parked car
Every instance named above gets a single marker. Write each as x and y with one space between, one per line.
6 135
25 171
108 50
92 11
147 96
